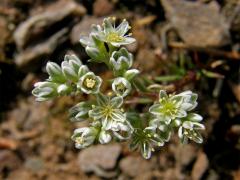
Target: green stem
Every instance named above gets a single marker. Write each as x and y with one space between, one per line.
111 49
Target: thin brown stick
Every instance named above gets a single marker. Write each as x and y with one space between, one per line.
8 144
211 51
171 88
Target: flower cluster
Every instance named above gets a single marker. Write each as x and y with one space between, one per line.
168 113
71 77
108 120
108 116
102 45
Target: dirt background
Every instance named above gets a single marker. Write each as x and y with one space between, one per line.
197 41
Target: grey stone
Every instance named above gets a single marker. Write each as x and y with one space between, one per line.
100 159
133 166
32 55
40 22
198 24
200 166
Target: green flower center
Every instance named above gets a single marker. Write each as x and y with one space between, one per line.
79 140
120 87
108 110
114 37
168 107
89 83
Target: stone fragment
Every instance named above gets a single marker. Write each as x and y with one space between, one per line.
231 10
8 161
102 7
41 22
140 62
185 154
27 58
21 174
236 91
200 166
99 159
174 173
5 35
34 164
150 175
198 24
133 166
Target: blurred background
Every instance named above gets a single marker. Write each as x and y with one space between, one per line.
181 44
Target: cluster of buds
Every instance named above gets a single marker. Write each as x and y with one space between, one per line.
106 115
71 77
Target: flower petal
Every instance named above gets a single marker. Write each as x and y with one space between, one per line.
104 137
146 150
102 100
116 102
123 28
194 117
117 115
107 24
96 113
181 113
154 109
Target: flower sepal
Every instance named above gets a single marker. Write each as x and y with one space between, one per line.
79 112
45 91
55 72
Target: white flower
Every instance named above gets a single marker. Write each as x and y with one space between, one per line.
168 108
90 83
108 111
84 137
116 36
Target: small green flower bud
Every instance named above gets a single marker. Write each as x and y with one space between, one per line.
121 86
55 72
121 61
74 62
130 74
69 72
45 91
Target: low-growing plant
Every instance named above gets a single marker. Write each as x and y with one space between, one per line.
109 116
